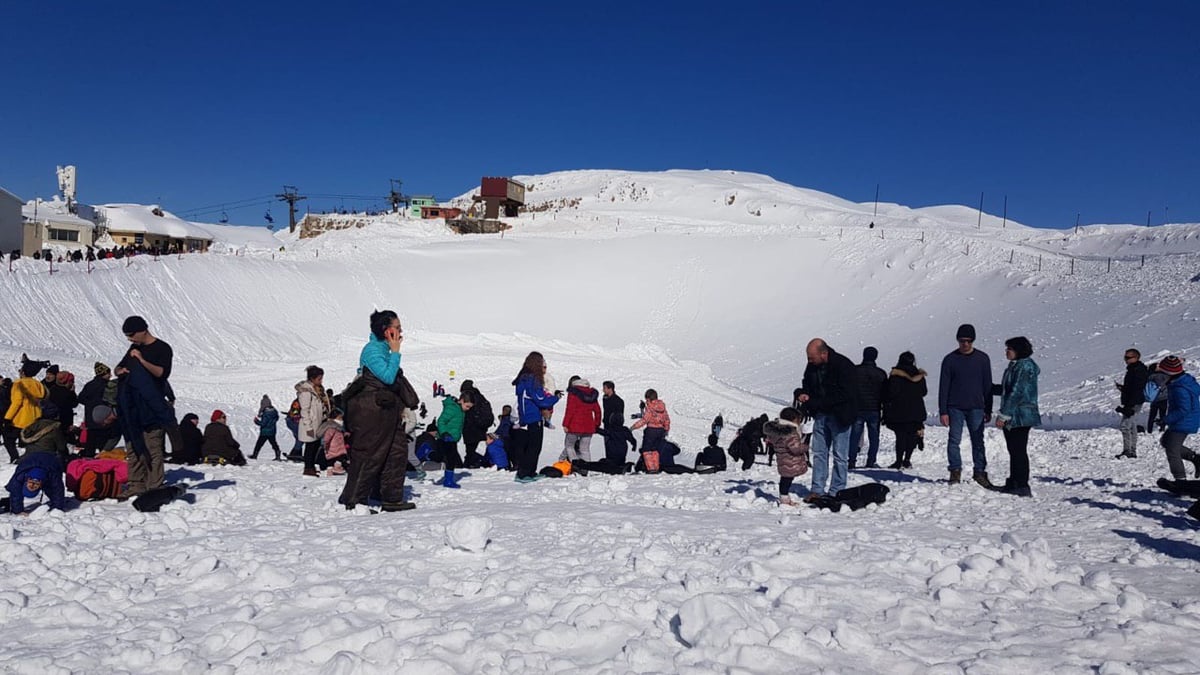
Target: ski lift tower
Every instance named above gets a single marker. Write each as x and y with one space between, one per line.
501 193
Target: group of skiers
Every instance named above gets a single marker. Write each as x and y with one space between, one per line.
372 431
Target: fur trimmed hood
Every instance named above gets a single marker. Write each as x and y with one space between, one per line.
912 377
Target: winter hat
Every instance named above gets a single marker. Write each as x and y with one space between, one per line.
100 414
265 403
36 473
66 379
217 414
870 354
52 370
31 368
1172 365
134 324
965 332
907 359
102 370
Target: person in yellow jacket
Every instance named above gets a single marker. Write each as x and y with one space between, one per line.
27 395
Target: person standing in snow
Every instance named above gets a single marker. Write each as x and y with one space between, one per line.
965 399
265 420
829 397
617 437
1158 404
142 377
8 432
1133 395
870 379
314 409
1183 416
475 425
450 429
532 402
25 398
657 422
904 407
791 452
581 419
1018 411
375 419
62 394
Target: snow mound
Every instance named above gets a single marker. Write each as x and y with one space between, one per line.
469 533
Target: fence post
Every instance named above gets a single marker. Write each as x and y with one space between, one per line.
1143 260
1011 254
1039 263
968 251
922 236
51 265
89 266
840 233
1072 266
1109 266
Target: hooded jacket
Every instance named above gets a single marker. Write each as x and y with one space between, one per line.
532 398
904 396
583 411
450 422
25 405
267 419
314 408
219 442
333 437
655 416
791 452
478 419
45 435
1183 404
193 441
52 483
1019 402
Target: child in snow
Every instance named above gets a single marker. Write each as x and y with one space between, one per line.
504 423
495 454
712 458
547 413
265 420
333 439
450 424
37 471
657 422
791 451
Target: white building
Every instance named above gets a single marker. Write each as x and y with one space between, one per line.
150 226
51 225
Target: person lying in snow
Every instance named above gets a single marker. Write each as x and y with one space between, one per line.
37 472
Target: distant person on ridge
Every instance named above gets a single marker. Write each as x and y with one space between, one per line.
965 399
870 379
1133 395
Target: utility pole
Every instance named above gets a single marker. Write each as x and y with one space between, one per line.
290 196
396 197
1004 218
876 211
979 220
1077 223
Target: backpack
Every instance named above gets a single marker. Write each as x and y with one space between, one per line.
97 485
650 458
293 413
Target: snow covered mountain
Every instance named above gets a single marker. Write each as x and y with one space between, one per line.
704 285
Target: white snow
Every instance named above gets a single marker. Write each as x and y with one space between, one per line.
651 280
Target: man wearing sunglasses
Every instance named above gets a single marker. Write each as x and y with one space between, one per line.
965 399
142 401
1132 397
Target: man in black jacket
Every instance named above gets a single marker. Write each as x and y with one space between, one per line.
870 380
830 398
617 437
1133 395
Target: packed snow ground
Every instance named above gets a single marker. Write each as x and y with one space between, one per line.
649 280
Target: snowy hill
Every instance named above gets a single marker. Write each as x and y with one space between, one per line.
704 285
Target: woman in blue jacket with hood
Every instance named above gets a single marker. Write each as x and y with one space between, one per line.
1018 411
532 399
1183 416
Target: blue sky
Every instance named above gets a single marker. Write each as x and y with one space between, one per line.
1066 107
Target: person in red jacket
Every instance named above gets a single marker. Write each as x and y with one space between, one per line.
581 420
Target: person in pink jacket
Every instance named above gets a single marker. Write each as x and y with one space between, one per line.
656 420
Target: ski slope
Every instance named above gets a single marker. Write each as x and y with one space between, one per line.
704 285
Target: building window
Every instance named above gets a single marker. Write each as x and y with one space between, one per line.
63 235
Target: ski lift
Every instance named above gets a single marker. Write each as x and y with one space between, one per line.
268 217
224 216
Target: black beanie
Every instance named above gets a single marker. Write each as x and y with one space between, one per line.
965 331
870 354
134 324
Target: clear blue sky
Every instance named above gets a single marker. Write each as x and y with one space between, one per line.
1090 107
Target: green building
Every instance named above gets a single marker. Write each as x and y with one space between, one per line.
416 202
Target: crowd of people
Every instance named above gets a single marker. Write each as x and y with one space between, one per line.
93 253
374 432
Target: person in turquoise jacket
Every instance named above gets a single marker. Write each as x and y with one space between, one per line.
450 428
1018 411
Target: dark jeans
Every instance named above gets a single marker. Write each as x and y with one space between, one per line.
313 456
527 447
262 440
10 435
1017 440
448 454
1158 410
471 459
652 439
1172 442
869 419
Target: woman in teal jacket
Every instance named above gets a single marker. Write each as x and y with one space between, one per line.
1018 411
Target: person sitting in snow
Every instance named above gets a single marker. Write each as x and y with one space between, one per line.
495 454
38 471
712 458
219 444
791 451
333 439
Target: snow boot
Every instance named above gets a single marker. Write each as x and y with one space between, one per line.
955 476
311 472
1194 459
1194 512
981 477
1123 455
448 480
898 464
393 507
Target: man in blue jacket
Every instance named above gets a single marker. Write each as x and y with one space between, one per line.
1183 416
965 399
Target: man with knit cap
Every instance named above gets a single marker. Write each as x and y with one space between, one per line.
142 401
965 399
870 380
93 392
1183 416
